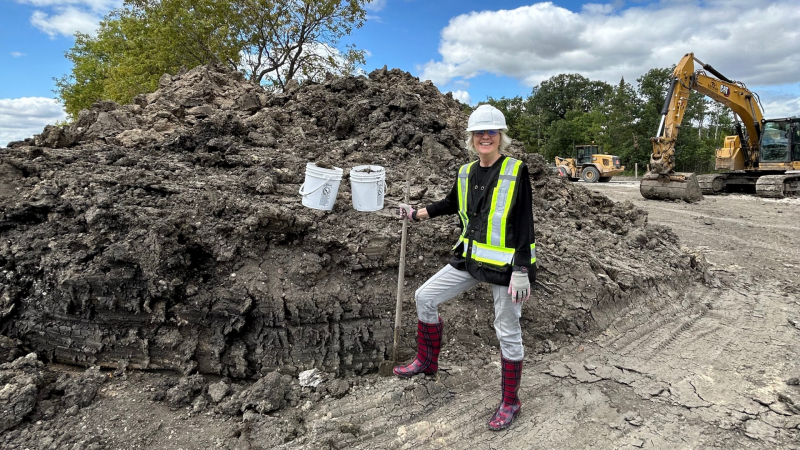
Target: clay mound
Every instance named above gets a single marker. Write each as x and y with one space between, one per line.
169 233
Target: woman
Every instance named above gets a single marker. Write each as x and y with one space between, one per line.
492 197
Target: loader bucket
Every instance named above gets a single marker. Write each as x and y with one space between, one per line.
675 186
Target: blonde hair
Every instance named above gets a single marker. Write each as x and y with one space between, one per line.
505 141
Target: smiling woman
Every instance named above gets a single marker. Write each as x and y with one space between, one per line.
493 199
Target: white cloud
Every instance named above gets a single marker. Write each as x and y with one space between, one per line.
17 54
779 109
65 17
101 6
462 96
66 22
533 43
597 8
375 5
21 118
779 103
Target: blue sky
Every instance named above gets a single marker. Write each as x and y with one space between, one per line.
474 49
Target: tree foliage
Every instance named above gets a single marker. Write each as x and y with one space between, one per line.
569 109
271 42
563 93
520 123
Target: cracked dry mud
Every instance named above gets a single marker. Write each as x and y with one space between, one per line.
164 243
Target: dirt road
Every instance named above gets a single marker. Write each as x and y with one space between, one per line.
716 367
738 233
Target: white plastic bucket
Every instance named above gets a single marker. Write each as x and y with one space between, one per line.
320 187
368 184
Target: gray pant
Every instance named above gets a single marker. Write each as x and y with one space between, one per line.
449 282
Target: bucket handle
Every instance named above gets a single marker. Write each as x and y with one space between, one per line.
327 178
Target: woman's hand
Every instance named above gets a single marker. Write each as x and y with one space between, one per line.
406 211
520 287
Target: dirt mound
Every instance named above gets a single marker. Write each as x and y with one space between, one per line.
30 391
169 233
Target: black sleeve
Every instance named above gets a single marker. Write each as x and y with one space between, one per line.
447 205
524 234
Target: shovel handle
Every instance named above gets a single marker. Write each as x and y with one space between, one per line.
401 273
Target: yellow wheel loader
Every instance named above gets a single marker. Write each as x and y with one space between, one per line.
590 164
757 158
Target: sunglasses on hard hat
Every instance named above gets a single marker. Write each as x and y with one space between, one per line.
482 132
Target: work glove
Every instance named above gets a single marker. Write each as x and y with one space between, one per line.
520 287
407 211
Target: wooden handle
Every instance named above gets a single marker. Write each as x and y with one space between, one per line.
401 273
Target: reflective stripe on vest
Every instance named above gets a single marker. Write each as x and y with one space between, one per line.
501 197
463 191
492 250
492 254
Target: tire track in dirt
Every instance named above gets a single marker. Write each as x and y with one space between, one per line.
632 335
713 360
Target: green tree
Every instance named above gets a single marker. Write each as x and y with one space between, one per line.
693 153
623 111
562 135
577 128
292 39
560 94
271 42
652 92
570 109
86 84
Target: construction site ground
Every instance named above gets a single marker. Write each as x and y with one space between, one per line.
163 287
717 367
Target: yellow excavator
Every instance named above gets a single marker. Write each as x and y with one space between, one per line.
757 157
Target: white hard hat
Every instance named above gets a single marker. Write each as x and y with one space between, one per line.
486 117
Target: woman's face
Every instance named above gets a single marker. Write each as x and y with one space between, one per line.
486 142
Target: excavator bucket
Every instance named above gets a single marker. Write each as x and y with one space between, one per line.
675 186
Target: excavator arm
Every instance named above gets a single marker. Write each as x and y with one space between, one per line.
662 182
743 103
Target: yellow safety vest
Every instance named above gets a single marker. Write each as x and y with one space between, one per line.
490 248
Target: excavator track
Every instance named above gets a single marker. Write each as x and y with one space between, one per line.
778 186
713 184
770 185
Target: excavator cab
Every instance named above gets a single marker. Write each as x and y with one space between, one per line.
776 142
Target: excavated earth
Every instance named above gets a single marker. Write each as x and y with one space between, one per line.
163 286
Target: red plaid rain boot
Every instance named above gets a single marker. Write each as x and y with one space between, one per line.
510 406
429 341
